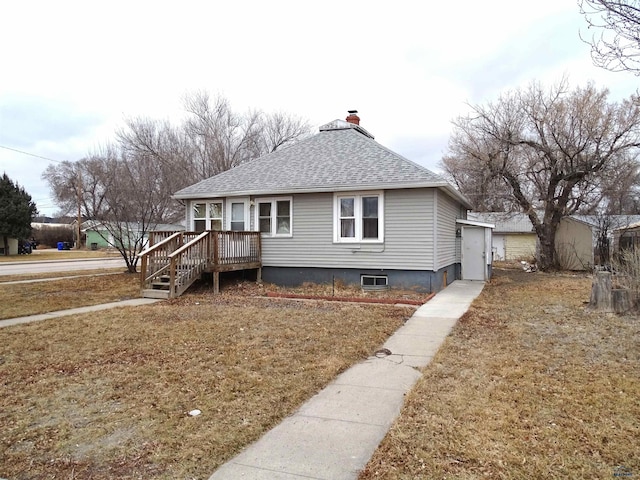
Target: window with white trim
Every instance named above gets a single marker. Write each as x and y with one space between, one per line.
374 281
274 217
207 216
358 217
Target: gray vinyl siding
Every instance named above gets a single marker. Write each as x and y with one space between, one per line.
408 235
448 210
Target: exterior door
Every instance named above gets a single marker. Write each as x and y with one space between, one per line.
473 253
238 214
237 247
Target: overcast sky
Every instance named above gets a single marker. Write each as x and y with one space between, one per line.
72 71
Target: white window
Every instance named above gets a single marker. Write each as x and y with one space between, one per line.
207 216
274 216
374 282
358 217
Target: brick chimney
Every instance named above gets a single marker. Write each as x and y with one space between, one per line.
353 117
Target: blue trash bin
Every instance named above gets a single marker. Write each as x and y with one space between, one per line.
60 245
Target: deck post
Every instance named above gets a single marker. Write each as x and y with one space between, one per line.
143 271
172 278
216 283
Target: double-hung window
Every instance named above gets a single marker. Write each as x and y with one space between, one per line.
358 217
207 216
274 217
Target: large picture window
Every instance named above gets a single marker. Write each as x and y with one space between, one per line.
358 217
207 216
274 216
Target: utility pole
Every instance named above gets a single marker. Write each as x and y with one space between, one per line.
79 230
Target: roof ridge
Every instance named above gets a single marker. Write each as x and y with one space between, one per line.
338 124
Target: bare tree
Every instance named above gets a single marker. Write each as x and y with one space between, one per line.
487 192
621 191
617 47
280 129
550 149
124 195
126 187
168 149
221 139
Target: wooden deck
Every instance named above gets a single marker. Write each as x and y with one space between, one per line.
174 260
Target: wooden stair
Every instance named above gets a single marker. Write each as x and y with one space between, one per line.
160 288
173 263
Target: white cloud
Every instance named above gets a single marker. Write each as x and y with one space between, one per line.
76 68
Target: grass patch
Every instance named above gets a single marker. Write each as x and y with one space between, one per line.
19 300
105 395
49 275
528 385
50 254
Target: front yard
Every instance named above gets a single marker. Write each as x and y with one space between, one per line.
107 395
528 385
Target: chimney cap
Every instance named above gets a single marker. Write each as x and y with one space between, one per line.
353 117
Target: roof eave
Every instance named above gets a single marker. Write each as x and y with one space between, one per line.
332 188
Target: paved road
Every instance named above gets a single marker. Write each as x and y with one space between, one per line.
18 268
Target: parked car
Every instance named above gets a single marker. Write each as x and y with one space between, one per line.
24 248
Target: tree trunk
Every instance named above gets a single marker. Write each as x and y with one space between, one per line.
601 298
621 300
6 245
547 249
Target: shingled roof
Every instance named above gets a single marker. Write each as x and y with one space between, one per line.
342 156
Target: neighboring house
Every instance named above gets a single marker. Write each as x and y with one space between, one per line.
627 237
97 235
513 235
340 205
12 244
515 239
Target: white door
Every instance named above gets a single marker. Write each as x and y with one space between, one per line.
238 215
473 253
238 247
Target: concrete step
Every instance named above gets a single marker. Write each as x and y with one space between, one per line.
153 293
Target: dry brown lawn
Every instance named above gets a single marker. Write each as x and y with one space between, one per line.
22 299
529 385
50 254
55 275
106 395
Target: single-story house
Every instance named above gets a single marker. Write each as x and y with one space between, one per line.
338 205
627 237
513 236
98 235
515 239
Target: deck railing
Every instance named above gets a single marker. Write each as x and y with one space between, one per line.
183 256
231 248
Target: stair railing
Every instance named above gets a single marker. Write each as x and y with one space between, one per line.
155 259
187 263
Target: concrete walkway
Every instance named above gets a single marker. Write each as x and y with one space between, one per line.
61 313
334 434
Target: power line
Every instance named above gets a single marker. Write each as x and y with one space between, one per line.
31 154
